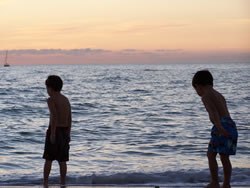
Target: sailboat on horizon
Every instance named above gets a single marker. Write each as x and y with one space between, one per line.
6 60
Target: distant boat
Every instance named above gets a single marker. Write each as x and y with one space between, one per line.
6 60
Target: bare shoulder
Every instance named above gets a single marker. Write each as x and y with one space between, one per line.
215 101
65 99
208 97
213 95
65 102
219 97
50 101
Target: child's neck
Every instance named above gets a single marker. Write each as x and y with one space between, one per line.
204 90
56 94
208 87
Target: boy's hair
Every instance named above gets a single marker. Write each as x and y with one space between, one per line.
203 77
54 82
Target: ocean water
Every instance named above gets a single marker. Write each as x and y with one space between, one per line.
132 124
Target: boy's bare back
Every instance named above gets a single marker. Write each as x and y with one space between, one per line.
215 103
60 110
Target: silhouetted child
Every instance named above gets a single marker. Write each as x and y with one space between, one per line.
58 133
224 132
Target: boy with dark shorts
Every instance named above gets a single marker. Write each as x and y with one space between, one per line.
58 133
224 132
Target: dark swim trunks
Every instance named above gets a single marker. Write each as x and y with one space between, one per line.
60 150
221 144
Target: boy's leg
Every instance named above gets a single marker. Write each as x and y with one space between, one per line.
213 166
63 172
227 169
46 172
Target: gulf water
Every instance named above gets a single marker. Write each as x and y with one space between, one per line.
132 124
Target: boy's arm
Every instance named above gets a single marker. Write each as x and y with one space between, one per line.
70 119
214 115
52 110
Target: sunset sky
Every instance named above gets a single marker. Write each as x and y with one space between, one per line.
125 31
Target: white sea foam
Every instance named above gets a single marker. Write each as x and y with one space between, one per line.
190 177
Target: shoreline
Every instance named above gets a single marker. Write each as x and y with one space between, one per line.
110 186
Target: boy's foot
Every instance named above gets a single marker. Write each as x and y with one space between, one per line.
226 186
212 185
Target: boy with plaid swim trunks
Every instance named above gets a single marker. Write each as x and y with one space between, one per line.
224 132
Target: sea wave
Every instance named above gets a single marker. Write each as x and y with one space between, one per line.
240 177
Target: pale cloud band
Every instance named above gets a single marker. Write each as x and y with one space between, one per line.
56 51
87 51
125 56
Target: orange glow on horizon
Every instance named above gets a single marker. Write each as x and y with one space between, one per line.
150 25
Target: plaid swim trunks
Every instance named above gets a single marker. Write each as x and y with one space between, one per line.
221 144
